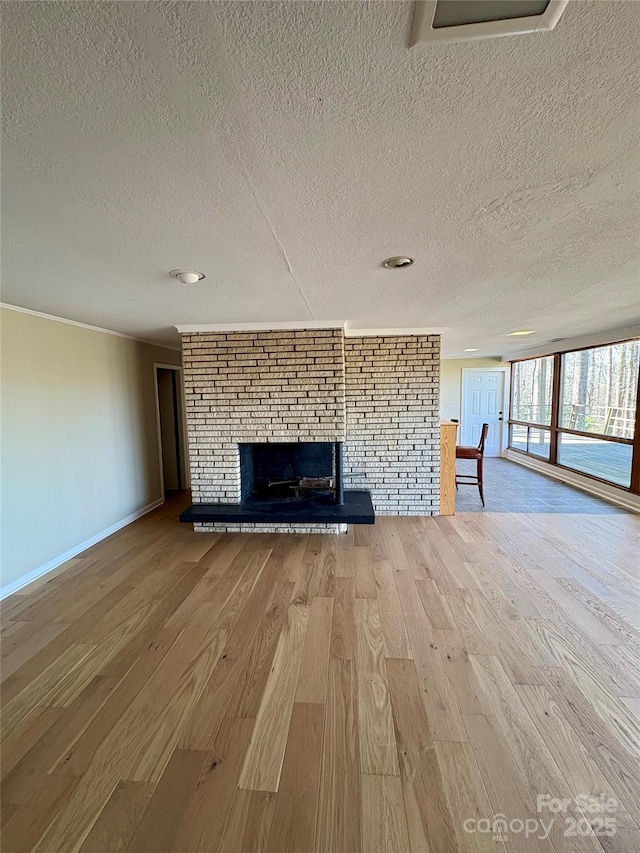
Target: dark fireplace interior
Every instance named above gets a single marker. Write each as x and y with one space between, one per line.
287 483
300 471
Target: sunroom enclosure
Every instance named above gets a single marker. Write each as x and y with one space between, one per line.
578 410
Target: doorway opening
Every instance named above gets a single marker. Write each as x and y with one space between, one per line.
171 429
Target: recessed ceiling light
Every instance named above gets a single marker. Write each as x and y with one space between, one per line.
471 349
397 263
187 276
520 332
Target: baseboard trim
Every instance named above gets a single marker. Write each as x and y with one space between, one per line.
25 580
585 484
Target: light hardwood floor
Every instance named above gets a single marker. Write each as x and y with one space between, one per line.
178 692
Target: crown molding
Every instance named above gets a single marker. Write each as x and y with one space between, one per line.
308 324
44 316
260 327
297 325
389 333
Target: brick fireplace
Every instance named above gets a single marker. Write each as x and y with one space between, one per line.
301 390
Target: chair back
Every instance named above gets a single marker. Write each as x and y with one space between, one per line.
483 437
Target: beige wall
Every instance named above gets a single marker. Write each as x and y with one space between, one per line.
79 439
451 382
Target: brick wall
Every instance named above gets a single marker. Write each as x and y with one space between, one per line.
258 386
393 427
379 395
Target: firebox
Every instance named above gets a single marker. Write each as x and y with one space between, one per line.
289 483
306 470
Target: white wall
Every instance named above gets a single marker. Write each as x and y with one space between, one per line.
79 440
451 382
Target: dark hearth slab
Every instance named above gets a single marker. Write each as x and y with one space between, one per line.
357 509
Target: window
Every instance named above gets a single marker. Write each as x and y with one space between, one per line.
531 387
599 388
529 439
605 460
539 443
531 382
578 410
519 437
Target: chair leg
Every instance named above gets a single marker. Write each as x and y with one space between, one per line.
480 480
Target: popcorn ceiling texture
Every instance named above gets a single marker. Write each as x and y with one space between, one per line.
285 149
377 394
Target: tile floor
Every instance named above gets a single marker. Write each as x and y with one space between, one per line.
509 487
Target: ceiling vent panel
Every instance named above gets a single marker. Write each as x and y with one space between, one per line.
468 20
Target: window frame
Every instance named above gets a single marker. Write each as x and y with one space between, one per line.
556 430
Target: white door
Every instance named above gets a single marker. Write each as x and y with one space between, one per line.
482 403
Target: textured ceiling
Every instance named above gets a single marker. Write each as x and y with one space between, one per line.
286 149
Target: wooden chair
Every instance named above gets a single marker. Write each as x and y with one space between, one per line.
476 453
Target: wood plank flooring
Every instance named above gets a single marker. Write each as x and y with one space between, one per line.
391 689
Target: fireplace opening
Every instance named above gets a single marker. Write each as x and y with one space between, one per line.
289 483
291 472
